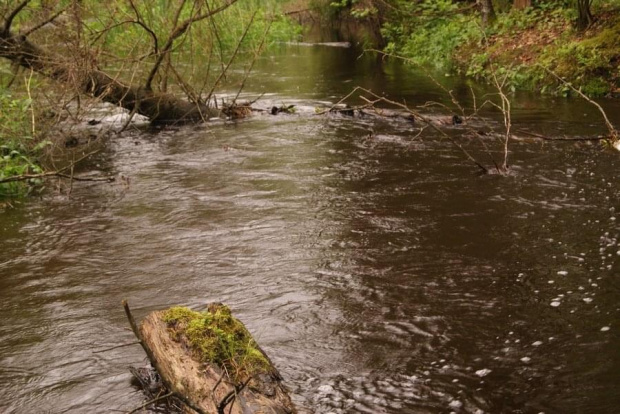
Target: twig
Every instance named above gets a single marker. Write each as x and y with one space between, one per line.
564 138
58 173
612 131
179 31
258 51
44 22
231 396
154 400
419 116
9 20
504 108
232 58
151 356
140 22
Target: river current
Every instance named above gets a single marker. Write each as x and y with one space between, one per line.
377 268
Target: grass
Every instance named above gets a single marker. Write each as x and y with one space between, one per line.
19 149
217 337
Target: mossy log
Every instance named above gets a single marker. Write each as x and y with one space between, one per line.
207 386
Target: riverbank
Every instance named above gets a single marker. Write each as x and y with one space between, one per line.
522 45
517 44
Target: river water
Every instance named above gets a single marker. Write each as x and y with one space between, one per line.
378 269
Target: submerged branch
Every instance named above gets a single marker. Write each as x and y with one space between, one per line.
59 173
417 115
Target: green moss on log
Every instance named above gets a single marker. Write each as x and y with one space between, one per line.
217 337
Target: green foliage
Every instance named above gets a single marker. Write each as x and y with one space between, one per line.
18 149
208 43
435 42
436 34
217 337
433 36
590 63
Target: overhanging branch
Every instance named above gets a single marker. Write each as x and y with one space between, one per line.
12 15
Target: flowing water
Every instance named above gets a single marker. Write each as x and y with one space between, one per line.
378 269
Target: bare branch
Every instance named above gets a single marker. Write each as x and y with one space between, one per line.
44 22
417 115
232 58
258 51
141 23
12 15
178 32
612 130
58 173
154 400
26 177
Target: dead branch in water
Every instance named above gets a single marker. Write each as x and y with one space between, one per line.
504 107
613 132
563 138
61 173
371 103
153 401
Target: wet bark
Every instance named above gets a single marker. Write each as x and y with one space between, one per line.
158 107
204 387
203 384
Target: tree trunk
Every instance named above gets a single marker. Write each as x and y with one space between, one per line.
487 11
522 4
158 107
584 17
204 386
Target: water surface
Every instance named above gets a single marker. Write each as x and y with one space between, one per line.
379 271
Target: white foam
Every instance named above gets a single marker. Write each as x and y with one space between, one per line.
483 372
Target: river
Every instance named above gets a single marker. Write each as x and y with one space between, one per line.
378 269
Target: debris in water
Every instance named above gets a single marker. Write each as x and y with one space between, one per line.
605 328
587 300
483 372
455 404
537 343
555 303
562 273
526 359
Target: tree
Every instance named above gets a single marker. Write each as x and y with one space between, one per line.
522 4
487 11
584 17
79 65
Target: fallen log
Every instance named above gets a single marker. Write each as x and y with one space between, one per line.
158 107
210 362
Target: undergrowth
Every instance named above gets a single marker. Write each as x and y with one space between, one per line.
19 149
217 337
448 35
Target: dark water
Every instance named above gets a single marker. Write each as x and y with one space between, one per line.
380 272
